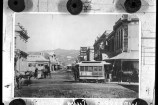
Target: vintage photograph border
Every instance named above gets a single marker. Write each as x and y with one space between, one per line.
58 13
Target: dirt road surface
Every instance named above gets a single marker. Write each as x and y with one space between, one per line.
62 85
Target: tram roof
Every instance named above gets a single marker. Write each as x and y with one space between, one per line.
93 62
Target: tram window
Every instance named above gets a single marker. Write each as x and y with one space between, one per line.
100 68
86 68
95 68
81 68
90 68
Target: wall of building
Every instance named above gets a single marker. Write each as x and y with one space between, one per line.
118 39
38 60
91 55
126 38
22 64
36 64
133 36
21 46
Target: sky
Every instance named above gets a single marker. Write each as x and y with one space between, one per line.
64 31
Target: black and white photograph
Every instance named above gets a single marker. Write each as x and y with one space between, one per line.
84 56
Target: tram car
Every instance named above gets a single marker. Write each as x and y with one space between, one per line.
94 71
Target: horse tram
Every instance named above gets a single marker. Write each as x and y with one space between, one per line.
93 71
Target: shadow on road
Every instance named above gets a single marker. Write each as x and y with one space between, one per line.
131 87
71 81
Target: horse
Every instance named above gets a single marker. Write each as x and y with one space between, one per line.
29 74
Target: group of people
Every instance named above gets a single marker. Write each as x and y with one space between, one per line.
28 74
45 72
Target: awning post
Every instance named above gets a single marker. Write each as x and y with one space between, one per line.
121 71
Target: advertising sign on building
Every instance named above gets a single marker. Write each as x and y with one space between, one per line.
83 53
83 49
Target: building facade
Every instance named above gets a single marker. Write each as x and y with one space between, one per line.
83 54
90 54
121 49
40 59
125 32
100 47
37 60
20 53
54 62
126 48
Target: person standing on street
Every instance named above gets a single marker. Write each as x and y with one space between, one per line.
44 71
77 71
47 70
35 74
74 69
49 73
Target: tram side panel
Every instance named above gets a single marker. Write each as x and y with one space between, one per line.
91 73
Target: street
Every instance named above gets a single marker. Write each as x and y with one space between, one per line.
62 85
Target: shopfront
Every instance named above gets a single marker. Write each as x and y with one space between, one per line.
125 67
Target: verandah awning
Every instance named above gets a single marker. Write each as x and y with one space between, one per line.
133 55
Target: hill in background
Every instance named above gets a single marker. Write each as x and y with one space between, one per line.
65 56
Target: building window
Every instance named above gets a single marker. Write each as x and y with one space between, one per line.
112 44
118 39
109 43
121 38
115 42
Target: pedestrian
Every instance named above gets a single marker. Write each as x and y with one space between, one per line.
74 69
36 72
120 74
48 72
44 71
77 71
